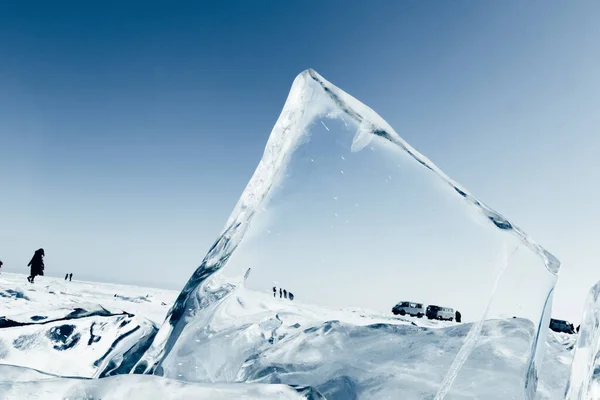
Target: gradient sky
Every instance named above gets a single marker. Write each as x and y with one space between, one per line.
129 130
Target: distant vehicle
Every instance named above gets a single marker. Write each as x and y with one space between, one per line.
441 313
408 308
558 325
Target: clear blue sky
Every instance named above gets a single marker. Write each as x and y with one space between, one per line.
129 130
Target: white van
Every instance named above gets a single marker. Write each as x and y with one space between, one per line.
409 308
441 313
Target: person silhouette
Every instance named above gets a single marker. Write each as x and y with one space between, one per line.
66 276
274 291
70 276
280 293
36 264
291 296
1 264
284 294
458 316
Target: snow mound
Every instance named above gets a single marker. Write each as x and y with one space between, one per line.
344 213
85 342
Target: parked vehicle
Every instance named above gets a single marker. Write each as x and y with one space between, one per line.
558 325
409 308
440 313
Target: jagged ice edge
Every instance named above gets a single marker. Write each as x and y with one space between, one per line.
298 112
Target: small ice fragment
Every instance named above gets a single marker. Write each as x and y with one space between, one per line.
343 158
335 215
268 231
342 171
325 126
312 160
335 198
355 204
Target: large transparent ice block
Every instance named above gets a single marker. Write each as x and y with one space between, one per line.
348 217
584 382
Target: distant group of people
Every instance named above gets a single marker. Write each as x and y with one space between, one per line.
69 276
283 294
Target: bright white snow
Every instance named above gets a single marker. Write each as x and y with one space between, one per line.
49 294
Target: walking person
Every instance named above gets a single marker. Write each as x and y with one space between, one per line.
1 264
284 294
458 316
274 291
291 296
280 293
36 264
66 276
70 276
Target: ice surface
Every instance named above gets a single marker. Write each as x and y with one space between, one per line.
584 382
335 351
345 214
355 354
29 384
557 364
88 341
59 327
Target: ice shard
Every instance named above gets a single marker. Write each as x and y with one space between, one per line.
346 215
584 382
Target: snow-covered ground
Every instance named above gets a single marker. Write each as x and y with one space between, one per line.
19 296
86 330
